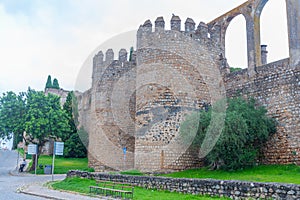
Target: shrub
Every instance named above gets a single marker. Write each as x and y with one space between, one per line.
245 131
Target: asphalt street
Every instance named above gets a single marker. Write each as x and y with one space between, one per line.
24 186
10 183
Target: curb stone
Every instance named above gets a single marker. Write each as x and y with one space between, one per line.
40 190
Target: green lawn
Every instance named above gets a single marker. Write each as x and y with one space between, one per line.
21 151
82 186
63 165
263 173
132 173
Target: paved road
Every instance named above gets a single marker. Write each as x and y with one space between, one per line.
9 183
31 186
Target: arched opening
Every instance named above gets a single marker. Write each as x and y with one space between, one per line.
236 43
273 30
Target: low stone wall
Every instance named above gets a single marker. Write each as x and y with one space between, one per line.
232 189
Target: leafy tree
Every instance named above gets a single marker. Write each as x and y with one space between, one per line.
55 84
74 146
12 112
49 82
234 69
44 118
246 130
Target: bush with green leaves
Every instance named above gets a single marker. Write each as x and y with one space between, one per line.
235 69
246 129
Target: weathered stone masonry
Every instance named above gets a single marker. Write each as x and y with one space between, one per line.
232 189
140 103
275 86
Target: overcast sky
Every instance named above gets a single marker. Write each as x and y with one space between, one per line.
42 37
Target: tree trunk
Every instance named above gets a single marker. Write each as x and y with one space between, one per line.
40 146
32 168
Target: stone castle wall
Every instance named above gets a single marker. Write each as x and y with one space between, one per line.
174 69
277 87
140 104
107 102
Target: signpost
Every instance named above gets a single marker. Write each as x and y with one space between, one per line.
32 150
124 160
58 149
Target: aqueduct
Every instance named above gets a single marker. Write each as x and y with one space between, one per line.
251 10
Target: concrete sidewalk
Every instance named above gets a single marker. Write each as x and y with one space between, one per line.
40 189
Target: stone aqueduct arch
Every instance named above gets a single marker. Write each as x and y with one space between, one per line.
251 10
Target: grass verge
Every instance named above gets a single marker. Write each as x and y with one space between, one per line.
63 165
263 173
82 186
21 151
132 173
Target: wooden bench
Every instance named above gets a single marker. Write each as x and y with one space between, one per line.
114 189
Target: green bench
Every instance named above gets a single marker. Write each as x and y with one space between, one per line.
114 189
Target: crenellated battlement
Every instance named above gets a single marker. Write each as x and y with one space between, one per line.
99 58
100 63
159 24
189 25
175 23
109 56
202 33
134 100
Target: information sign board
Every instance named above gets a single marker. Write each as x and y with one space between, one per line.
32 149
59 148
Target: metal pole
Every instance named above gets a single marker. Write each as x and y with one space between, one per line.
124 161
53 161
35 164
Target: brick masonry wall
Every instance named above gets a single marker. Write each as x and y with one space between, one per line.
232 189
